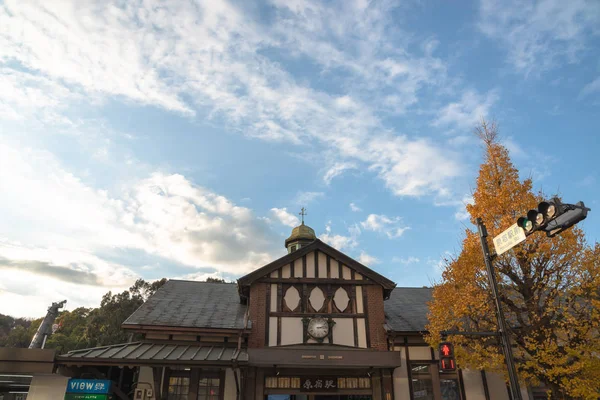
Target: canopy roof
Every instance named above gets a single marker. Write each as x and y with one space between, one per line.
138 353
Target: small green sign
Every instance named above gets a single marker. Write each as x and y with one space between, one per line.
87 396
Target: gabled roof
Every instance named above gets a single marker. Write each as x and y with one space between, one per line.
245 281
191 304
407 308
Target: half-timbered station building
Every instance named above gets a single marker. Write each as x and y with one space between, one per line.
312 325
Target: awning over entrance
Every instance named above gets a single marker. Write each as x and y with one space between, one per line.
322 358
152 353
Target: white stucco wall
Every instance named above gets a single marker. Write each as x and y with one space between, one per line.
310 265
473 384
298 268
346 273
272 331
343 331
418 353
230 388
322 265
291 331
146 380
360 308
497 386
400 379
47 387
273 299
334 268
362 332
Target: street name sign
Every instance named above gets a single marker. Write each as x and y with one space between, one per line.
509 239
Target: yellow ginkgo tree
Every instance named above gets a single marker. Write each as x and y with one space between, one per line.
549 289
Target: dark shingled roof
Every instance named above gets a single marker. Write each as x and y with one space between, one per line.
217 305
406 309
192 304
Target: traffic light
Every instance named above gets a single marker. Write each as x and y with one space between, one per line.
552 217
447 362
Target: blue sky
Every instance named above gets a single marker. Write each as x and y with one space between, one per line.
180 139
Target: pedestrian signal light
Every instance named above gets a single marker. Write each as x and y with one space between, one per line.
447 361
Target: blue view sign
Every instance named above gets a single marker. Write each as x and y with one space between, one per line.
88 386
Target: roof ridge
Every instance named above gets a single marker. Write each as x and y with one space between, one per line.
412 287
191 280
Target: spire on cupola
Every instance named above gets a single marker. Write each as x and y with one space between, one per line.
301 235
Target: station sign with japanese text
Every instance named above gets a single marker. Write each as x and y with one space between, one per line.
318 384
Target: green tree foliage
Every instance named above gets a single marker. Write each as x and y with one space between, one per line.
17 332
210 279
83 327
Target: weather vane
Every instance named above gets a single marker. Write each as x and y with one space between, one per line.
302 213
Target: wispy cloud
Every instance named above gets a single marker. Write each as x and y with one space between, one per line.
285 217
468 111
540 35
337 169
461 213
587 181
79 229
588 89
304 198
209 59
367 259
355 208
341 242
163 214
392 227
406 260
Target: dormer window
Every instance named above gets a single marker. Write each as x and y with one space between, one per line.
292 248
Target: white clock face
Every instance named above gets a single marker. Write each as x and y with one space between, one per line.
318 328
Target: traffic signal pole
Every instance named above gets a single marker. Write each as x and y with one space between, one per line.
502 327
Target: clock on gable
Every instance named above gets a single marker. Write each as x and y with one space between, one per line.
317 328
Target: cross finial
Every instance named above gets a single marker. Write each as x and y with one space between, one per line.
302 213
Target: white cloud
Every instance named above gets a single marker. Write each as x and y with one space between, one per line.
344 36
391 227
285 217
202 276
468 111
27 294
341 242
304 198
440 264
461 213
337 169
588 180
592 87
513 147
193 59
406 261
367 259
355 208
25 94
540 35
163 215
